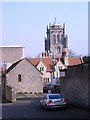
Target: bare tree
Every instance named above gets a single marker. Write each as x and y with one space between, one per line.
71 53
39 55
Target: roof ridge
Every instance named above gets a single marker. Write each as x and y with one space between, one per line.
32 64
13 65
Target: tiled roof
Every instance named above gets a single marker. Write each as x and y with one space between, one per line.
74 61
34 61
46 61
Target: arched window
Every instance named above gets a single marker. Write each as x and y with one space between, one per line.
58 50
58 39
54 39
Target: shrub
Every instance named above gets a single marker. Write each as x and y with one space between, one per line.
35 92
39 92
25 92
19 93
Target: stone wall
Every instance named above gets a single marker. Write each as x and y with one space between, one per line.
10 94
75 85
31 78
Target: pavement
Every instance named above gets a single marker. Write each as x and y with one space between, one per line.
29 95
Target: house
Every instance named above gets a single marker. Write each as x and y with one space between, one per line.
44 64
24 77
59 66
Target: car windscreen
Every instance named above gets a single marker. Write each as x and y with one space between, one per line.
55 96
49 86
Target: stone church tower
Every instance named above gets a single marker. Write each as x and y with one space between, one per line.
56 39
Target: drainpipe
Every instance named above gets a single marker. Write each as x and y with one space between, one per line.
53 66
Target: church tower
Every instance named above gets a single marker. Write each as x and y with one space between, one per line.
56 39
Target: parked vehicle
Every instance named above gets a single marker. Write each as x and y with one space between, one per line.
51 88
53 101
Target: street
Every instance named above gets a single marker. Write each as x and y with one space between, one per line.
30 108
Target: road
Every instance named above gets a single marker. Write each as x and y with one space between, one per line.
29 108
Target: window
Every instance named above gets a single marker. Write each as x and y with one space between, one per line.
41 68
19 78
46 79
60 68
54 39
58 39
58 50
55 96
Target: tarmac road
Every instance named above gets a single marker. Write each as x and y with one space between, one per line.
30 108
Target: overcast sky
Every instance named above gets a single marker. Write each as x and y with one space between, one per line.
24 23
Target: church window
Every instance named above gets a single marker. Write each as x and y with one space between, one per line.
54 39
58 50
58 39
